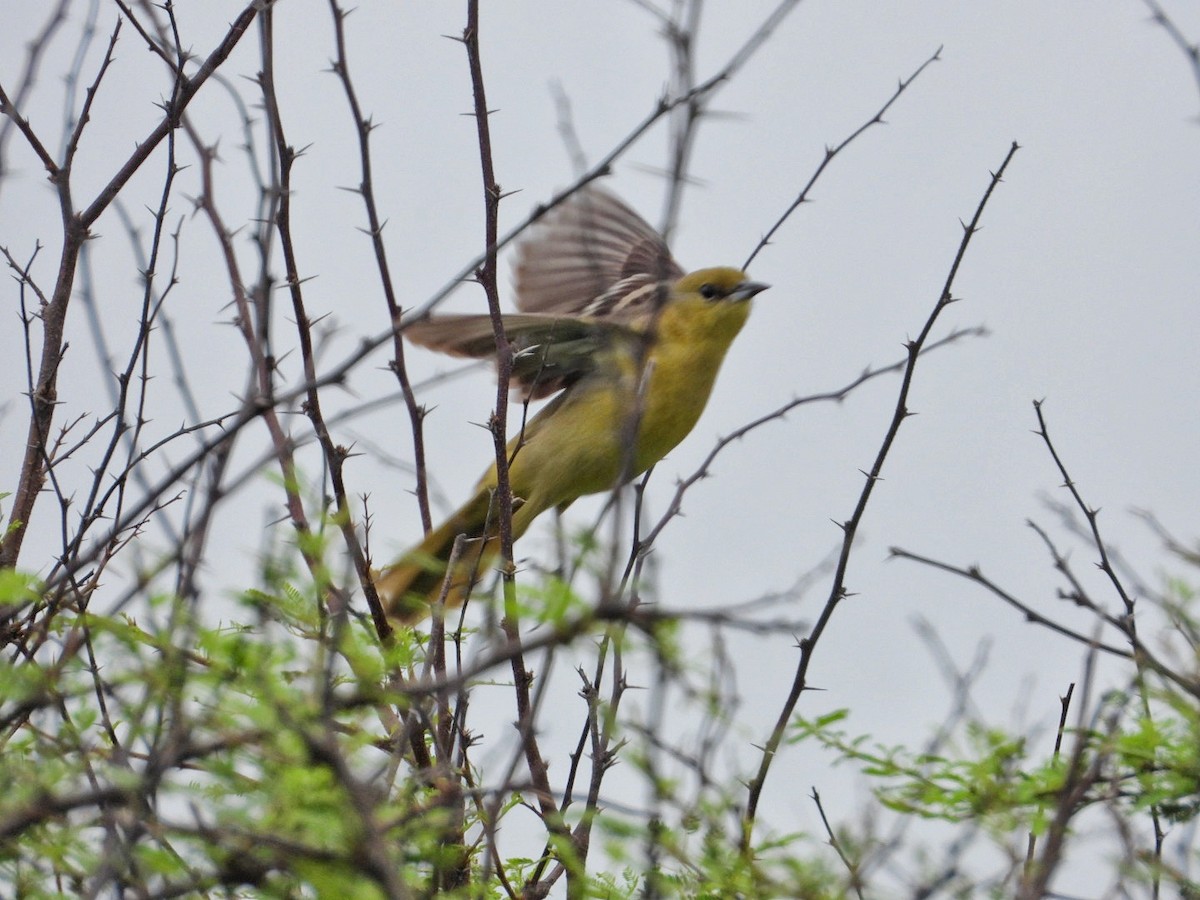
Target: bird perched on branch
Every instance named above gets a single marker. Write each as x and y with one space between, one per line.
630 344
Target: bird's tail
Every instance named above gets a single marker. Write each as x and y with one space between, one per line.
415 581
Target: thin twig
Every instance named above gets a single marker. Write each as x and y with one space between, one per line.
375 225
838 590
837 846
831 152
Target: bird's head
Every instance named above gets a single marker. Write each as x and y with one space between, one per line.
709 304
722 284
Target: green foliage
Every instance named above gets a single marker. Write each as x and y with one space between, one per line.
16 587
1147 763
239 761
1152 762
285 755
1162 755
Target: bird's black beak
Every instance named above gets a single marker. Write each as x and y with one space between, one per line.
747 289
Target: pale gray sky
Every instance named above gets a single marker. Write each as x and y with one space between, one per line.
1085 273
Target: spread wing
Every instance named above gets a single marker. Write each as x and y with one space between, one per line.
549 352
592 255
589 274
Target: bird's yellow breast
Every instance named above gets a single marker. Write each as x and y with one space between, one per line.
693 336
620 420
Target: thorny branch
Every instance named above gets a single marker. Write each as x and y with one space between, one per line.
849 528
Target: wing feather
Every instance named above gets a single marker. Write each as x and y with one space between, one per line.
584 248
549 352
588 275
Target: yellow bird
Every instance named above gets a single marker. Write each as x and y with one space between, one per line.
633 344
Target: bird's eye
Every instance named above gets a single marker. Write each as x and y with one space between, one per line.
709 291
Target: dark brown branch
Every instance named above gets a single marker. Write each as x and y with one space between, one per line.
188 90
366 189
831 152
850 527
25 84
76 227
1031 615
1190 49
338 602
851 867
703 471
